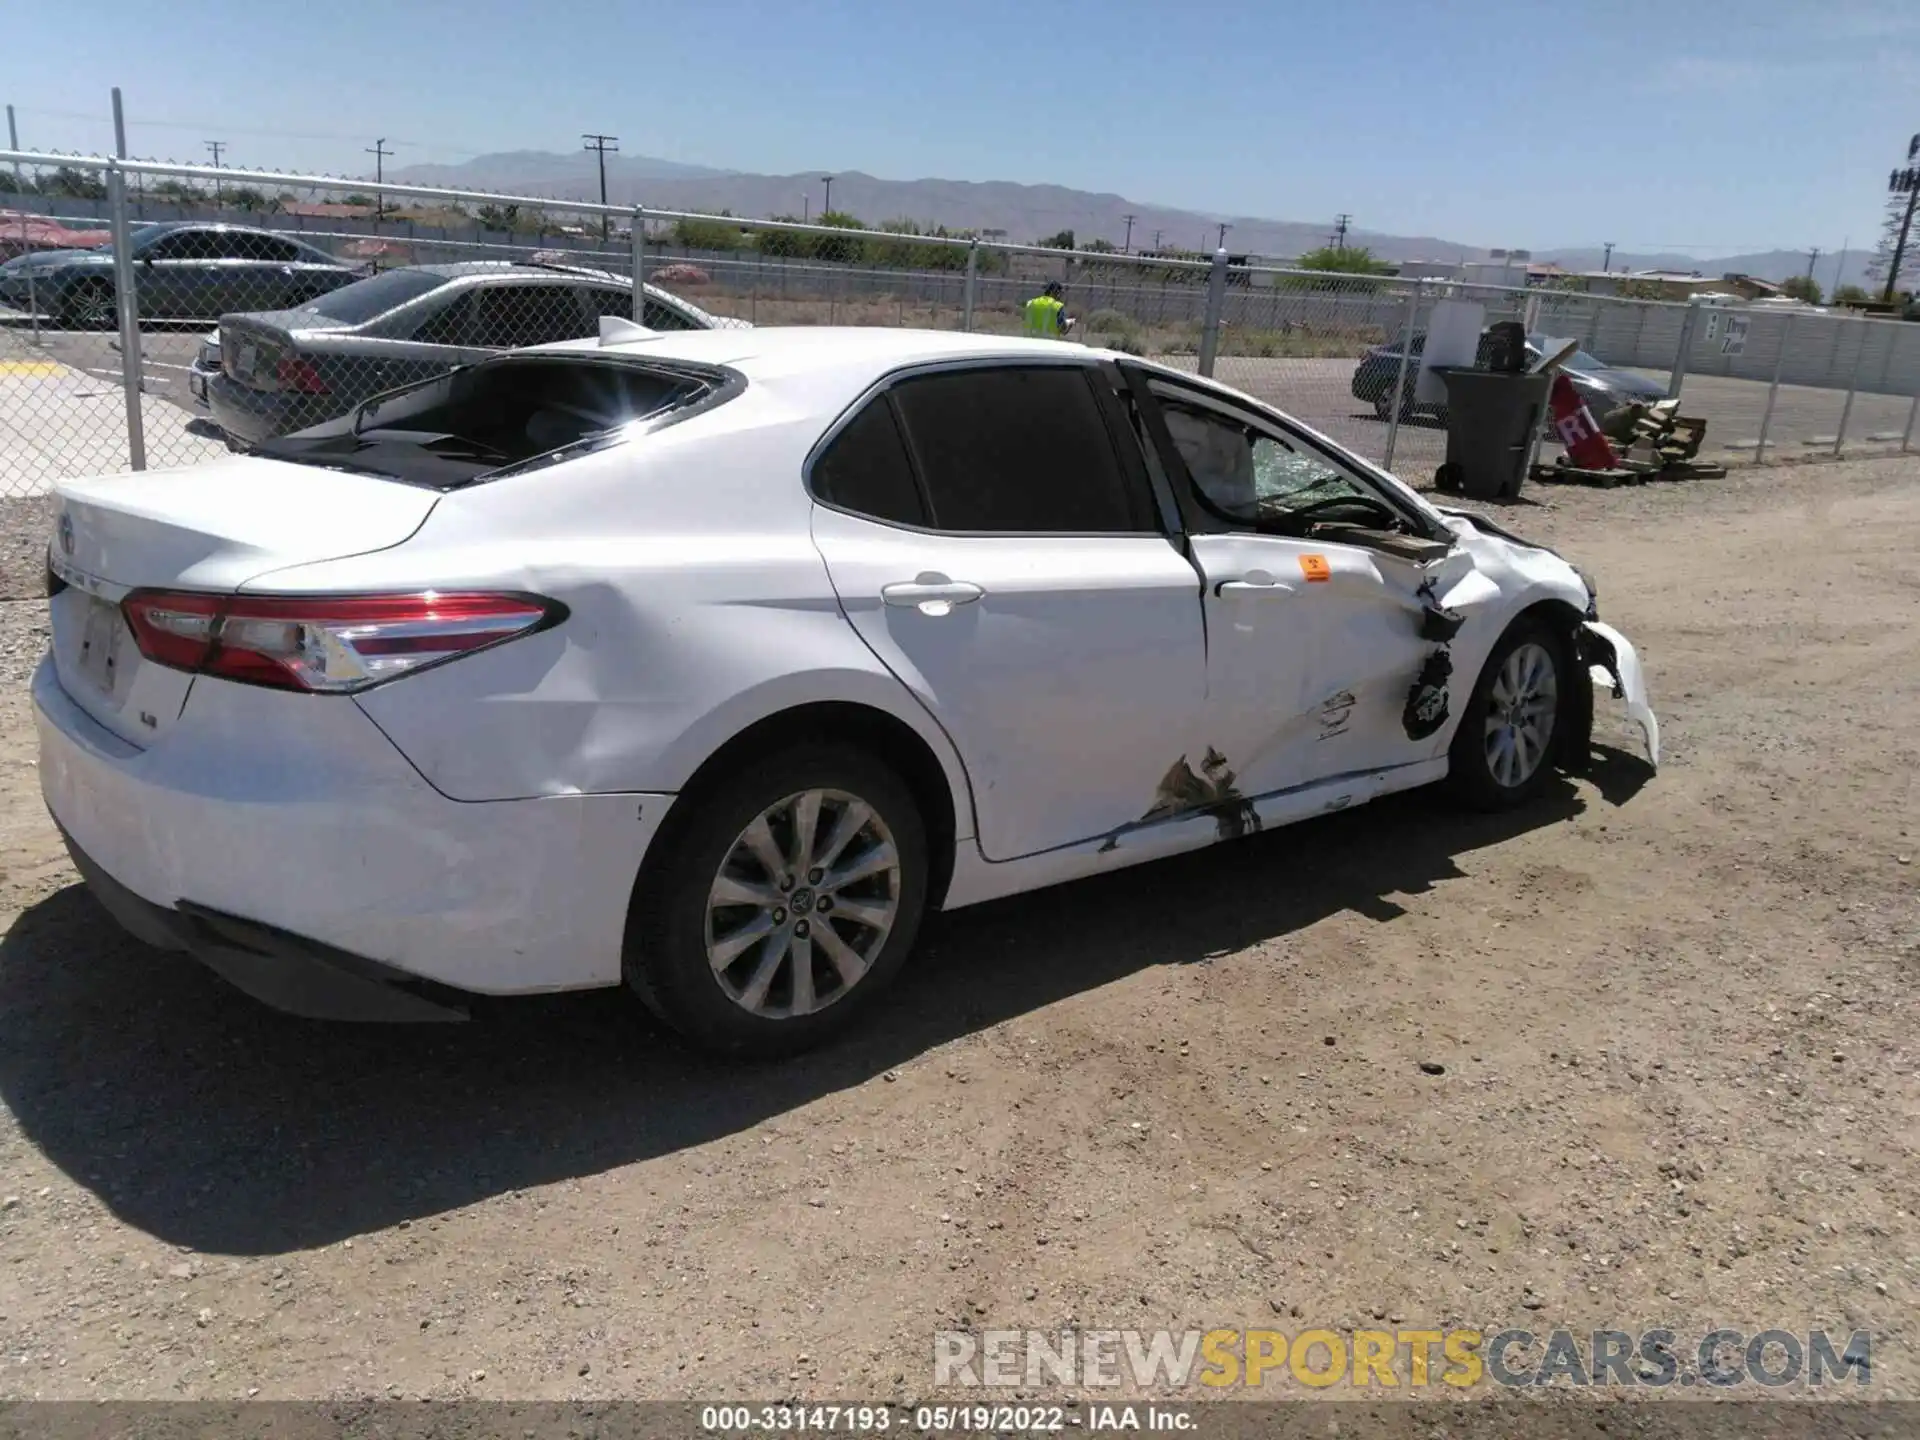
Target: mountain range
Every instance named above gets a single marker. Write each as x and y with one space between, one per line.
1024 212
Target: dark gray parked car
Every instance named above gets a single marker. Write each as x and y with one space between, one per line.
273 373
181 272
1602 388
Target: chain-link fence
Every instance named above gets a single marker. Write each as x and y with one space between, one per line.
136 332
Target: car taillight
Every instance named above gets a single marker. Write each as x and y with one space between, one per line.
324 644
296 373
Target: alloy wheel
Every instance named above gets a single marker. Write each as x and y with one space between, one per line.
802 904
93 308
1521 709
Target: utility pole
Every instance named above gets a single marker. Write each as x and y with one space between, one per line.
1126 245
1156 238
1340 223
1221 243
378 150
1840 268
1812 256
806 209
1903 182
216 146
1606 260
13 143
600 144
826 206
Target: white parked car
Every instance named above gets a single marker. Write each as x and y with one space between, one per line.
712 661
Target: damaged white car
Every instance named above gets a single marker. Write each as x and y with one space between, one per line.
711 661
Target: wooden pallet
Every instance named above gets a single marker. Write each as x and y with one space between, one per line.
1631 473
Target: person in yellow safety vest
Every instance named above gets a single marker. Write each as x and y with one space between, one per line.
1047 313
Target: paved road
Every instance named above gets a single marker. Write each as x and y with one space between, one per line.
165 355
1805 420
63 413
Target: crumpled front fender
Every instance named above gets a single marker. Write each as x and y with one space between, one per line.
1615 667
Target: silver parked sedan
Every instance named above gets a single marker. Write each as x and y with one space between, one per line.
275 372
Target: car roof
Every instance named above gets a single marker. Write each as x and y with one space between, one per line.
455 269
780 351
166 225
822 367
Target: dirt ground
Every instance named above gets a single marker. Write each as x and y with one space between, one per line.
1676 1016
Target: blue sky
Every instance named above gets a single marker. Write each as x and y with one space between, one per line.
1688 125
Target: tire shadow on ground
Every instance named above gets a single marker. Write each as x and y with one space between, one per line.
206 1120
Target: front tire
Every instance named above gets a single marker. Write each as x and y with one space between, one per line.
786 902
1503 752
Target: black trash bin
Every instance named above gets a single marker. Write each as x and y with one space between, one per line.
1491 421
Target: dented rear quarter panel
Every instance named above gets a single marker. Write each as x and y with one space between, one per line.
698 606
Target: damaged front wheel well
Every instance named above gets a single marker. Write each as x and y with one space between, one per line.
1573 744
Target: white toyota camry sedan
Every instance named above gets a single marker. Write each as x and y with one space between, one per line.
709 662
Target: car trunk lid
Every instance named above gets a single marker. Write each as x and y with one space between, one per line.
211 528
254 347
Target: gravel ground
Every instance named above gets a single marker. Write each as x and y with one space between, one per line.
26 524
1673 1020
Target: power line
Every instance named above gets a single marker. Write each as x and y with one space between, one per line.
600 144
430 146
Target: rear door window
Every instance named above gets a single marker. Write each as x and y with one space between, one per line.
248 245
1020 450
659 316
507 317
239 245
187 245
866 469
451 324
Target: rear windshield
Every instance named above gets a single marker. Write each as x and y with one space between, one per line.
502 416
361 301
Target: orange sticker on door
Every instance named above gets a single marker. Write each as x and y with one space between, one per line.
1315 568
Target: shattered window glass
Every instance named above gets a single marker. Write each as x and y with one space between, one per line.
1249 475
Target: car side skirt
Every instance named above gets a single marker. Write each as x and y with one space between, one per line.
976 879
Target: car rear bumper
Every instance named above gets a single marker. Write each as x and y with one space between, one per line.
255 415
284 841
298 976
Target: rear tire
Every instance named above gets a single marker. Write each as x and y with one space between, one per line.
1503 752
1383 406
785 902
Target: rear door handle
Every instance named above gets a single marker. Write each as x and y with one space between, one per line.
930 595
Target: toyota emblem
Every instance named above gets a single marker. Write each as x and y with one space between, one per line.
66 533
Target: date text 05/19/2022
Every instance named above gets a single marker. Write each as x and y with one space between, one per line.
982 1419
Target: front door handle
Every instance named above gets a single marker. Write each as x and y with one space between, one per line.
931 594
1254 582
